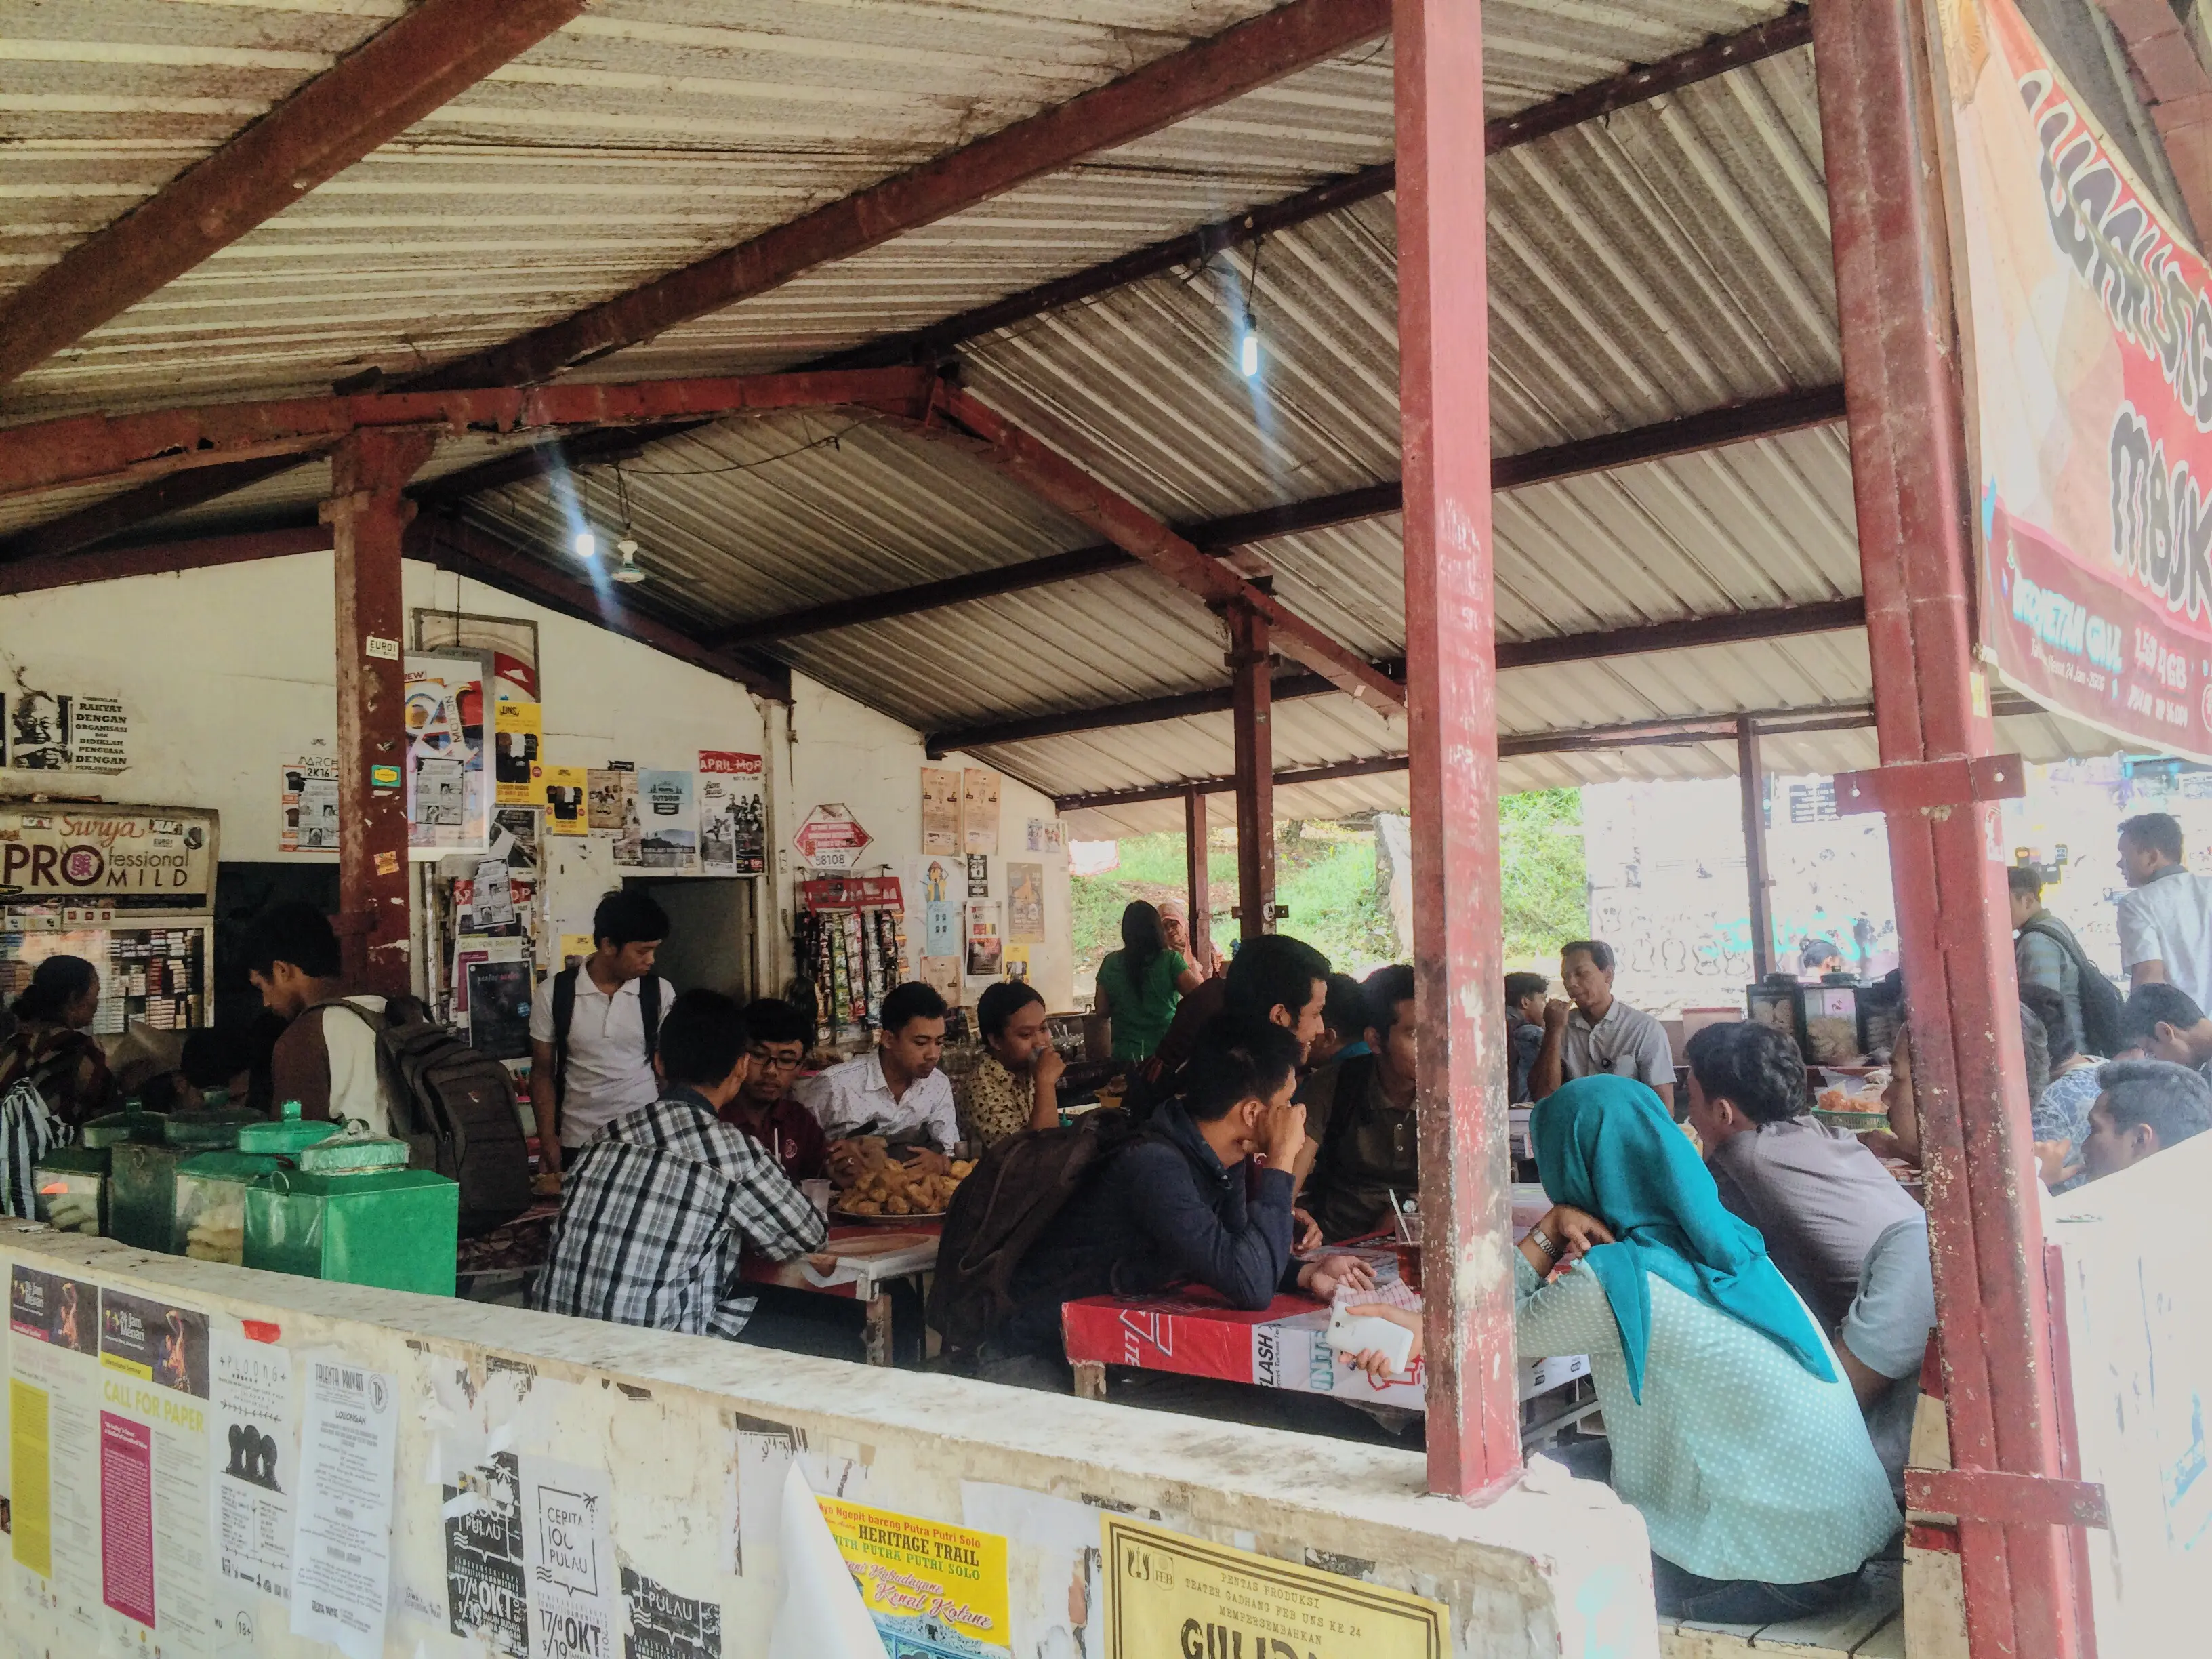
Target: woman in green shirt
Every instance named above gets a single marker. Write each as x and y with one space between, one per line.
1140 984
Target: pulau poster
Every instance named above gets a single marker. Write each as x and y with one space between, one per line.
668 814
940 809
307 802
2090 323
1025 904
566 813
517 753
979 811
732 814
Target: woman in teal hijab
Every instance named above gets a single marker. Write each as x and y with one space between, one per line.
1731 1428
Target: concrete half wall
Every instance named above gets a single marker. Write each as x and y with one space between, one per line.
651 1471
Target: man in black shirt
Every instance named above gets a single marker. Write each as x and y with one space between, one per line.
1525 997
1361 1146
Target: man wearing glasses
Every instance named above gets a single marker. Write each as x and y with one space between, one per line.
763 1107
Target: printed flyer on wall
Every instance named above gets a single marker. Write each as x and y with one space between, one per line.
668 812
54 1433
933 1587
979 811
940 809
256 1455
519 753
154 1555
308 798
448 795
565 811
732 814
342 1559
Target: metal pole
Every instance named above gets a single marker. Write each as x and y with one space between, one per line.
1451 675
1255 772
1909 472
1199 875
367 516
1753 782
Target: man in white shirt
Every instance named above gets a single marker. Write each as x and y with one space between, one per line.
2166 917
897 1091
327 1059
599 1067
1597 1033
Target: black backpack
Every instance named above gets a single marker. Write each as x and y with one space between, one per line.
998 1212
2103 1009
455 1107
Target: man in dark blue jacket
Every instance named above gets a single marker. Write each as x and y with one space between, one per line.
1203 1197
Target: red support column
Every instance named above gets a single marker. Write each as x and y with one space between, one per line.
1754 783
1451 679
1200 875
367 516
1909 480
1255 771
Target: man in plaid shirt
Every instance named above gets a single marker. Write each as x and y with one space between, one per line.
654 1213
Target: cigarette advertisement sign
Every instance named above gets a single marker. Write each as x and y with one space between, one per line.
915 1574
146 858
2092 354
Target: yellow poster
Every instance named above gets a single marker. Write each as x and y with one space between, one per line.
29 1451
1168 1592
574 947
517 753
565 811
912 1570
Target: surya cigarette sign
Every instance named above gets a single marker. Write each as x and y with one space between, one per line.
831 839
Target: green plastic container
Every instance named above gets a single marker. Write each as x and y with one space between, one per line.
142 1188
116 1128
70 1185
351 1211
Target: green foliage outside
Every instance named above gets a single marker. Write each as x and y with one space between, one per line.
1326 873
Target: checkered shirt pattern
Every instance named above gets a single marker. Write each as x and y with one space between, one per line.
653 1216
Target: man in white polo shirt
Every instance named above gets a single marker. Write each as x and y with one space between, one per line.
2166 917
1597 1032
593 1029
897 1091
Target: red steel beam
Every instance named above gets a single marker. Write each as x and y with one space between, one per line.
424 59
83 449
1253 54
1198 877
1909 468
1252 723
1451 683
158 559
1058 481
1634 86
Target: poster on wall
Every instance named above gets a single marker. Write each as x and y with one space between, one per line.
940 809
984 942
1017 964
1047 836
341 1561
942 975
2091 317
517 753
930 880
100 735
565 810
1026 903
308 803
37 728
668 816
448 794
979 811
979 876
732 814
255 1450
126 856
509 644
154 1495
55 1384
925 1581
567 1512
485 1573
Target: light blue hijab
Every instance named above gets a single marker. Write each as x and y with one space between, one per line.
1606 1144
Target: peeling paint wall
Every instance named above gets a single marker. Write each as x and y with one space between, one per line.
688 1441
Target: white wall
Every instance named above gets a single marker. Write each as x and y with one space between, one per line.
226 673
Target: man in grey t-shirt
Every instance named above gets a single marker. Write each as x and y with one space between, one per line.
1850 1241
1595 1032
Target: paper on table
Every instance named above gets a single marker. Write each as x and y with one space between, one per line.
823 1616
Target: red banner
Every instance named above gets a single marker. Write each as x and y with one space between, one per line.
852 893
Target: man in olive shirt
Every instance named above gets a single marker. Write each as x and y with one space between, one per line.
1361 1146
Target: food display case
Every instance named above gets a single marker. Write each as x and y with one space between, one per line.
348 1209
210 1223
129 889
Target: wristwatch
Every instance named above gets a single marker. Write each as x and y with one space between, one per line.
1544 1241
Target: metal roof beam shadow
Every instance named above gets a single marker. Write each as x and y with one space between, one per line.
1251 55
424 59
1792 29
1782 621
1766 417
957 418
2179 89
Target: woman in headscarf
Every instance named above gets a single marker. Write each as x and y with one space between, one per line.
50 1048
1732 1427
1175 928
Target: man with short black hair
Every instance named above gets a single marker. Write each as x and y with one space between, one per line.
1595 1032
1272 980
593 1028
1175 1207
2166 916
2045 951
327 1058
1361 1140
2146 1106
1343 1023
1015 1083
2163 1022
763 1106
1525 997
1850 1241
658 1209
896 1092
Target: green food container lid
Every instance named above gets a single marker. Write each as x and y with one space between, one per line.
117 1127
342 1154
240 1167
73 1160
285 1138
206 1129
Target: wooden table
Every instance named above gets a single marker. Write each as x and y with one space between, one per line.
857 1263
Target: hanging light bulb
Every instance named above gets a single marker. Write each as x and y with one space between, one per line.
587 544
628 571
1248 349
